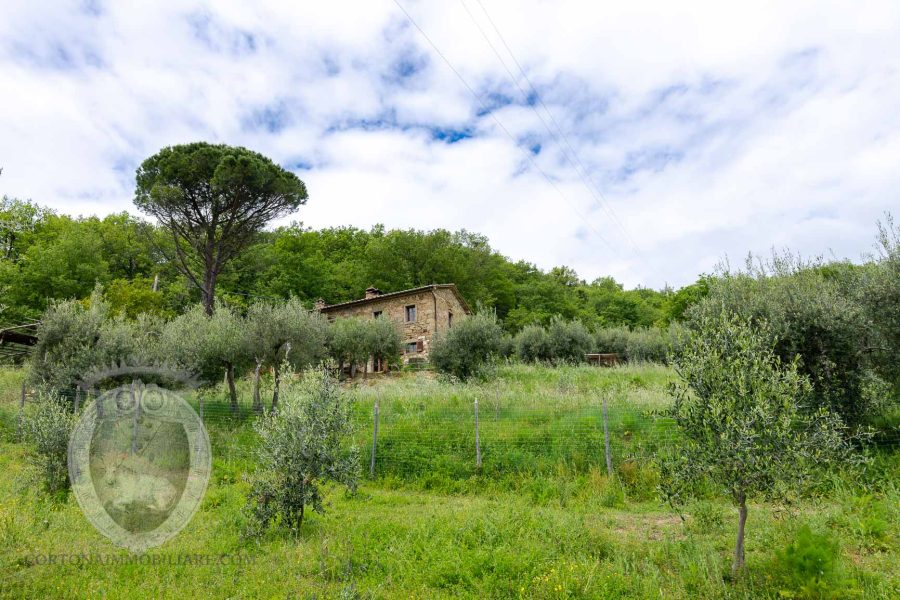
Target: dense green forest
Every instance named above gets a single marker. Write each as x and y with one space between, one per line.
45 256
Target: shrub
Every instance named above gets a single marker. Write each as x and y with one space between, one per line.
533 344
641 480
569 341
708 517
808 567
468 347
46 428
301 445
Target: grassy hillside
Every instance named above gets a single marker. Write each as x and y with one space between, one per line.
539 520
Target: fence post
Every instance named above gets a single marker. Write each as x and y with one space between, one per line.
609 468
477 438
200 400
77 398
374 440
21 412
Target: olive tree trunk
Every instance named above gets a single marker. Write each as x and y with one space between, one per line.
277 383
232 390
257 401
277 373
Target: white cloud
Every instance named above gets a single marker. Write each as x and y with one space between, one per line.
711 128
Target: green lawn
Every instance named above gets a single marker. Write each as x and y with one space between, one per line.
539 520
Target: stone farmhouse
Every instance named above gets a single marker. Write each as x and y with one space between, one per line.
418 314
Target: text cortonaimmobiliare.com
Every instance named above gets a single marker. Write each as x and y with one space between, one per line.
163 559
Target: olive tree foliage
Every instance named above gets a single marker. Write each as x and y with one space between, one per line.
347 342
533 344
46 428
745 419
383 340
283 334
305 443
648 344
879 295
208 345
76 338
352 341
641 344
812 316
469 346
569 340
612 340
213 199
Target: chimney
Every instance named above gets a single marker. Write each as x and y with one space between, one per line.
320 304
372 292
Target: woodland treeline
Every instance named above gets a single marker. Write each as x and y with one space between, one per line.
46 256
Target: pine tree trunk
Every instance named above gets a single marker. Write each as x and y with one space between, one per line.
738 564
232 390
257 401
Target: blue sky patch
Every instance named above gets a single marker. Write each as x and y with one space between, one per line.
272 118
451 135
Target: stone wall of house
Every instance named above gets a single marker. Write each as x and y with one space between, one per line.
433 309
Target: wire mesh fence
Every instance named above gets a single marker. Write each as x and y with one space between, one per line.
419 427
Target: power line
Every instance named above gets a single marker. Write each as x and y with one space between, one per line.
485 108
580 169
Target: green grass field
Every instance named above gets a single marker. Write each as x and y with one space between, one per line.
540 519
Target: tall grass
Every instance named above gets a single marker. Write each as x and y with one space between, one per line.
533 421
533 523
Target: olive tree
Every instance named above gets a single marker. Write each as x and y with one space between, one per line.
76 337
213 199
67 339
303 444
533 344
464 350
744 421
279 334
879 293
347 343
208 345
811 317
569 340
46 429
383 342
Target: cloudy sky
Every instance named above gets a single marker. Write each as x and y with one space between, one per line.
645 140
